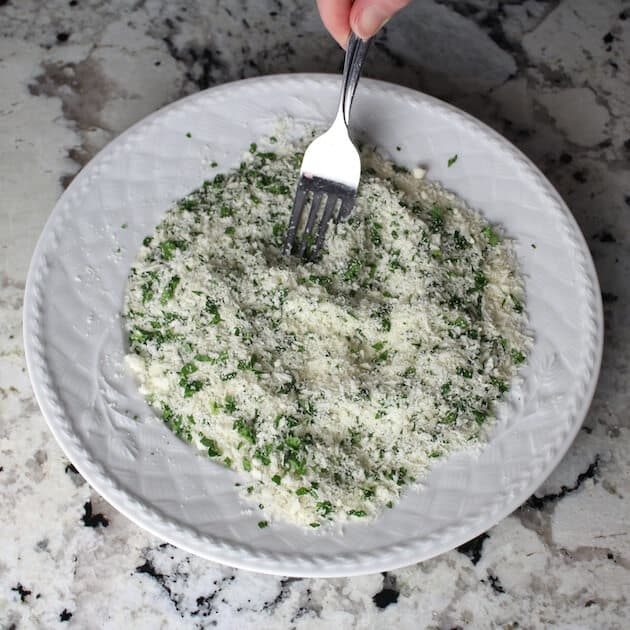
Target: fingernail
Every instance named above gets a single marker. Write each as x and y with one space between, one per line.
370 20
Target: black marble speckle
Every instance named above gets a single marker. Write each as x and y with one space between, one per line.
93 520
473 548
148 569
63 37
204 605
495 583
282 595
21 591
538 503
580 176
65 615
388 594
605 237
385 597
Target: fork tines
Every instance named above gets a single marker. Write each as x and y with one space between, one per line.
325 198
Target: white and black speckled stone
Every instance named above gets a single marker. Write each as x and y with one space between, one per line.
550 75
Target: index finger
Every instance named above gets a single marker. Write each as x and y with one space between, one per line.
335 15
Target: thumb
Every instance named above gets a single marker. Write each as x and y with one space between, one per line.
368 16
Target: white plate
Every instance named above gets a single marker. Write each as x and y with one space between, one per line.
75 341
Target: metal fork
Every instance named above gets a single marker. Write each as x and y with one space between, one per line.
331 168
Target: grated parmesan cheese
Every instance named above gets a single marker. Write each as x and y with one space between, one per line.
333 384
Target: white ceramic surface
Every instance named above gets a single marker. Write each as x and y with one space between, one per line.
75 338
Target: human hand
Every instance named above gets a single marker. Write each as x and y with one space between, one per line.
364 17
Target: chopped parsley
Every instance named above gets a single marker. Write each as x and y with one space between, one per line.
492 236
169 291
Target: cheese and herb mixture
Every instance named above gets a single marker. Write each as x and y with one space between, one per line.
337 383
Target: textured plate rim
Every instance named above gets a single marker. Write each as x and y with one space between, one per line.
347 564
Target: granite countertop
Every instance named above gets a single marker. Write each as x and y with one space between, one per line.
553 76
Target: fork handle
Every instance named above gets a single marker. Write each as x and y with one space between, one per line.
356 51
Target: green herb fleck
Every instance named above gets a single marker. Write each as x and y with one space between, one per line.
293 442
245 429
262 454
263 524
499 384
452 160
518 306
492 236
352 271
437 219
230 404
188 368
211 445
192 388
278 231
169 291
375 233
147 291
460 241
358 513
480 281
324 507
480 417
382 356
168 247
213 310
450 417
